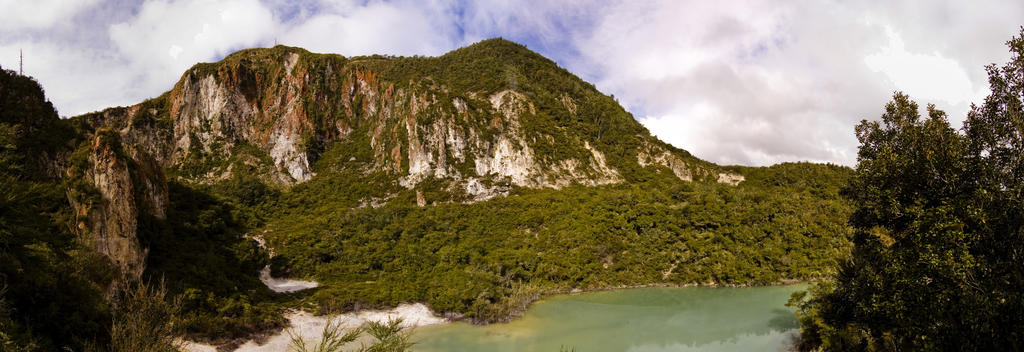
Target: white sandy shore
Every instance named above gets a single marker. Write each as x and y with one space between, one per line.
309 326
284 285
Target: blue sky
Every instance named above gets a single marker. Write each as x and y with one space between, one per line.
734 82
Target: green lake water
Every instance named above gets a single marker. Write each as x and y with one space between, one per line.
636 320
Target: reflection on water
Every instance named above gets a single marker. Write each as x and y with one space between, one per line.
647 319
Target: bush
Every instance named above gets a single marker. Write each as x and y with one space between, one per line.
145 318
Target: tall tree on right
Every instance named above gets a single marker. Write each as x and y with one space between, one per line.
938 257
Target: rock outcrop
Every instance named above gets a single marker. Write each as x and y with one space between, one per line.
111 188
280 109
117 188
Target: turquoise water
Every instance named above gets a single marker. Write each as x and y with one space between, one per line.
636 320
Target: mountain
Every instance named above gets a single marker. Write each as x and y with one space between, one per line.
480 120
475 182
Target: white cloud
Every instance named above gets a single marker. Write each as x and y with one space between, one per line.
376 28
759 82
733 84
167 37
926 76
20 15
75 77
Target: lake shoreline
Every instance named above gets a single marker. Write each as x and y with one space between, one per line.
541 296
448 317
654 319
309 327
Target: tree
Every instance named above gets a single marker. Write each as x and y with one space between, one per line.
939 238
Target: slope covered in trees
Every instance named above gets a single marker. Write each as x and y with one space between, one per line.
475 182
487 260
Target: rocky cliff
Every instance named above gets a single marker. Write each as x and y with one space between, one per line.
481 120
111 188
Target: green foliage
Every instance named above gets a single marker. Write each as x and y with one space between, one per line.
144 318
332 339
389 336
30 120
51 287
496 64
11 338
936 263
202 254
489 260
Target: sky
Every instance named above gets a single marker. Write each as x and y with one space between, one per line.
734 82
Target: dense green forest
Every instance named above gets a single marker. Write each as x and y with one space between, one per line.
938 241
487 260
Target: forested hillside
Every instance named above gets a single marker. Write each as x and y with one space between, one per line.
474 182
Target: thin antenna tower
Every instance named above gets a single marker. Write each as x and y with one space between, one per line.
21 62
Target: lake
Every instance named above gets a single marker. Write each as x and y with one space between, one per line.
637 320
